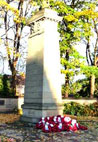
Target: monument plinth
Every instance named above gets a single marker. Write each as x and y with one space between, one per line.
43 89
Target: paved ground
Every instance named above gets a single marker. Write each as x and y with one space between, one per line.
20 132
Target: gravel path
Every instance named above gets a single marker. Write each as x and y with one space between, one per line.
19 132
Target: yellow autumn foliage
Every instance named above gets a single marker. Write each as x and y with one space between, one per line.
20 20
33 3
90 13
77 34
7 7
8 50
70 26
70 18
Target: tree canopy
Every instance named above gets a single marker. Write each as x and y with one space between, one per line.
80 20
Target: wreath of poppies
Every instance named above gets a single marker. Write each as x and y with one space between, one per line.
59 123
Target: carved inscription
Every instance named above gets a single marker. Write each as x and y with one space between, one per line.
36 27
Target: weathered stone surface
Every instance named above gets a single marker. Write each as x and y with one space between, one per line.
43 88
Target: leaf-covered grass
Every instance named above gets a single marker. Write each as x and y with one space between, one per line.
8 118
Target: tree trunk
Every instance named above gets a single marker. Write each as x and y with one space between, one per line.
13 79
67 87
67 76
92 86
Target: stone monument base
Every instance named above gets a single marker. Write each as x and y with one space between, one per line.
32 113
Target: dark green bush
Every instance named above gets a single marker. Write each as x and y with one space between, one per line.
1 85
5 89
81 110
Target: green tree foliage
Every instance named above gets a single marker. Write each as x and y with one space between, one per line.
69 34
76 26
85 88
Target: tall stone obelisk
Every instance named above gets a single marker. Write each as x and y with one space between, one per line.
43 89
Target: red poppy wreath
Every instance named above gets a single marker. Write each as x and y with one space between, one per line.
59 123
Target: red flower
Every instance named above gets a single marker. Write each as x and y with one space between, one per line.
80 127
73 126
40 124
47 128
59 123
67 120
60 127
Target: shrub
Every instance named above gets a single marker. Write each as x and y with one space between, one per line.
5 89
1 85
81 110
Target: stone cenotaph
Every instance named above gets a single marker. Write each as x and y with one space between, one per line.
43 88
